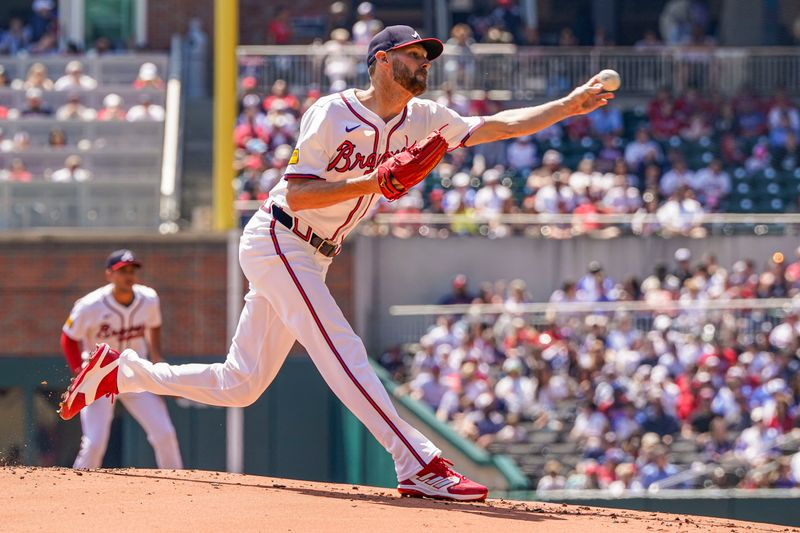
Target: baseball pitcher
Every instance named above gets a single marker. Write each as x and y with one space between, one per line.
353 147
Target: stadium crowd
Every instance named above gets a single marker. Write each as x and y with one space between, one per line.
621 390
681 157
71 89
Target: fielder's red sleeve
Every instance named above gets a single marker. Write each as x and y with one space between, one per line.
72 352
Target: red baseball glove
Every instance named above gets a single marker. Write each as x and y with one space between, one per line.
399 173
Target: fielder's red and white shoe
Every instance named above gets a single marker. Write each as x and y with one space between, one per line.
97 379
438 480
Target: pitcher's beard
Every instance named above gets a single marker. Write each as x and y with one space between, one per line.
410 82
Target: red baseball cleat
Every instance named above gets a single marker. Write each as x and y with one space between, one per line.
95 380
438 480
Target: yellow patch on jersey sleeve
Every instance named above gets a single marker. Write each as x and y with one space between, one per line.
68 323
295 157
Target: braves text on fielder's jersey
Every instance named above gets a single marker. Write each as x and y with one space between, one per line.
287 247
100 317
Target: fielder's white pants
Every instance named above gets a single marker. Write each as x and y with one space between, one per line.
148 409
288 300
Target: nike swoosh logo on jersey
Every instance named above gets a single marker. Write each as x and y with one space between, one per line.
348 130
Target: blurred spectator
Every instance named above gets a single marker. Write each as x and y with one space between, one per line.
148 77
555 196
658 469
43 19
755 444
696 127
751 120
551 166
112 108
683 266
516 391
643 150
589 422
713 184
73 109
676 177
72 171
489 199
281 124
279 27
729 150
47 44
454 100
280 92
102 46
460 293
34 105
36 78
367 26
682 214
595 286
674 22
16 38
786 333
718 445
16 171
459 62
4 81
340 66
759 159
145 111
655 420
552 478
460 195
506 17
606 121
75 79
649 41
585 178
429 387
521 155
782 107
338 16
57 138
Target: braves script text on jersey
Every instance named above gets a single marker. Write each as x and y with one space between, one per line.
288 299
96 318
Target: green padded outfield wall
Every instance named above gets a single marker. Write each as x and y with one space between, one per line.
297 429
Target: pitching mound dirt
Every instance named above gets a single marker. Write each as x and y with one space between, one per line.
49 499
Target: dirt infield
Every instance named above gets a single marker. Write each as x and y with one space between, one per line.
48 499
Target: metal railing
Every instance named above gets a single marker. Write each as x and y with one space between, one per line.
523 73
539 225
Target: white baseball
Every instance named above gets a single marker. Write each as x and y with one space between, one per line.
609 79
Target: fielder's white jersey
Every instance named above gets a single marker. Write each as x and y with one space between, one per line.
340 139
98 317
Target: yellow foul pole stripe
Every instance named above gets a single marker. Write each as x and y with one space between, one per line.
226 32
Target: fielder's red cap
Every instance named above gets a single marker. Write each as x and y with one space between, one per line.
121 258
393 37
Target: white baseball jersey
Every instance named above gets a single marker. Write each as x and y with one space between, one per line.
98 317
340 139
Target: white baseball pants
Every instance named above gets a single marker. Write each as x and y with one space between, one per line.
288 300
148 409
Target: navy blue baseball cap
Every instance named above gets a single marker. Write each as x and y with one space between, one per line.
393 37
121 258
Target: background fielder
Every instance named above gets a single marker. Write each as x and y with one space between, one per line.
123 314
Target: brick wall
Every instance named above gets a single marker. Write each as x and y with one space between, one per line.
40 279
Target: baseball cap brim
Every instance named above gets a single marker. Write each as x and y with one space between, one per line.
433 47
117 266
